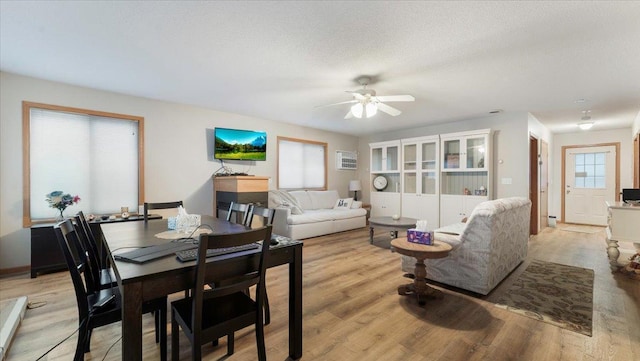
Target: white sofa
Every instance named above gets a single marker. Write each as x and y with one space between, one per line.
305 214
486 248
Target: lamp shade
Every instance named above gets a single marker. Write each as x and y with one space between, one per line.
355 185
371 109
357 110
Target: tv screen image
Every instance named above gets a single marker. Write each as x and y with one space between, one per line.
238 144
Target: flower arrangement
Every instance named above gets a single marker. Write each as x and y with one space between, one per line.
60 201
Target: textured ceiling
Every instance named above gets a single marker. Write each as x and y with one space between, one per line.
278 60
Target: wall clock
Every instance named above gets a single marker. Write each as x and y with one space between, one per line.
380 182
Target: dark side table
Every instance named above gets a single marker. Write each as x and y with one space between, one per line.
46 255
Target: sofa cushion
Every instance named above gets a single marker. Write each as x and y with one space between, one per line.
303 199
323 215
343 203
323 199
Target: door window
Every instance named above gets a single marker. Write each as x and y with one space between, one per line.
590 170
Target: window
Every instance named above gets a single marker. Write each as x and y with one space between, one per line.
590 170
95 155
302 164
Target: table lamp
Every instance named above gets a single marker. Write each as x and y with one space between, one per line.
355 186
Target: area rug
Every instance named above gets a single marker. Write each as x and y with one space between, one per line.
553 293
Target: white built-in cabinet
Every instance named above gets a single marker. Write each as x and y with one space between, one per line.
438 178
454 208
385 162
420 179
465 179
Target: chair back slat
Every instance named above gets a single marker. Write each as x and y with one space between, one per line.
267 215
239 213
89 247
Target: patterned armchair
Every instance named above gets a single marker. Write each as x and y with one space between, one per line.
492 243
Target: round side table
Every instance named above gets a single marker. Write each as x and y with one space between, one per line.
420 252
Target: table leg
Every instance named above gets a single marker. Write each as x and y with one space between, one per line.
370 235
419 286
613 253
295 305
131 321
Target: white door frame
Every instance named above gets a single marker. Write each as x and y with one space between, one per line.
566 148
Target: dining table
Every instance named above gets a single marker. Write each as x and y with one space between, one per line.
167 275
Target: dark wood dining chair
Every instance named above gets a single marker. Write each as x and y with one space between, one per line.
267 215
99 307
239 212
213 313
101 273
163 205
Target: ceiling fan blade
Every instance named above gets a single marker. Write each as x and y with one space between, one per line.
349 115
396 98
356 95
330 105
389 110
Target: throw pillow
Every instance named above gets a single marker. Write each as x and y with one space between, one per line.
356 204
343 203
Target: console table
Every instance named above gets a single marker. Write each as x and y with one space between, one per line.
623 224
46 255
239 189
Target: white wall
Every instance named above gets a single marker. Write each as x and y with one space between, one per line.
636 125
178 164
589 138
510 145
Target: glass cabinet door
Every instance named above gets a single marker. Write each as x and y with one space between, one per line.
409 156
476 147
428 156
392 158
429 182
410 185
451 154
376 159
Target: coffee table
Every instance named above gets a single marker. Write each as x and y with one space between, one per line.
420 252
393 225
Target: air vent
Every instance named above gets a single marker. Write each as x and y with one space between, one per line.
346 160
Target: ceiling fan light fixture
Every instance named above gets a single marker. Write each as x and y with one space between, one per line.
357 110
371 109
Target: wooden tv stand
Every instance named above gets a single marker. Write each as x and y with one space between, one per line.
239 189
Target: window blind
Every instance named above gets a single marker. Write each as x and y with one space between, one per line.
90 156
301 165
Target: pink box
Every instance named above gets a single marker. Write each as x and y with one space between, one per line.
421 237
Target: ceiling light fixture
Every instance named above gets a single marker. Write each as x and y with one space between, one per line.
357 110
366 108
371 109
585 125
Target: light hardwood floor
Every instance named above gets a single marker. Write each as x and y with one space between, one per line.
353 312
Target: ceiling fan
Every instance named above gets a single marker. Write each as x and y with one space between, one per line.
366 103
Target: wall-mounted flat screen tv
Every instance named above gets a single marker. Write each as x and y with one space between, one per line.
238 144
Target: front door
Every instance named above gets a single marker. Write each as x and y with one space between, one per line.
590 181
